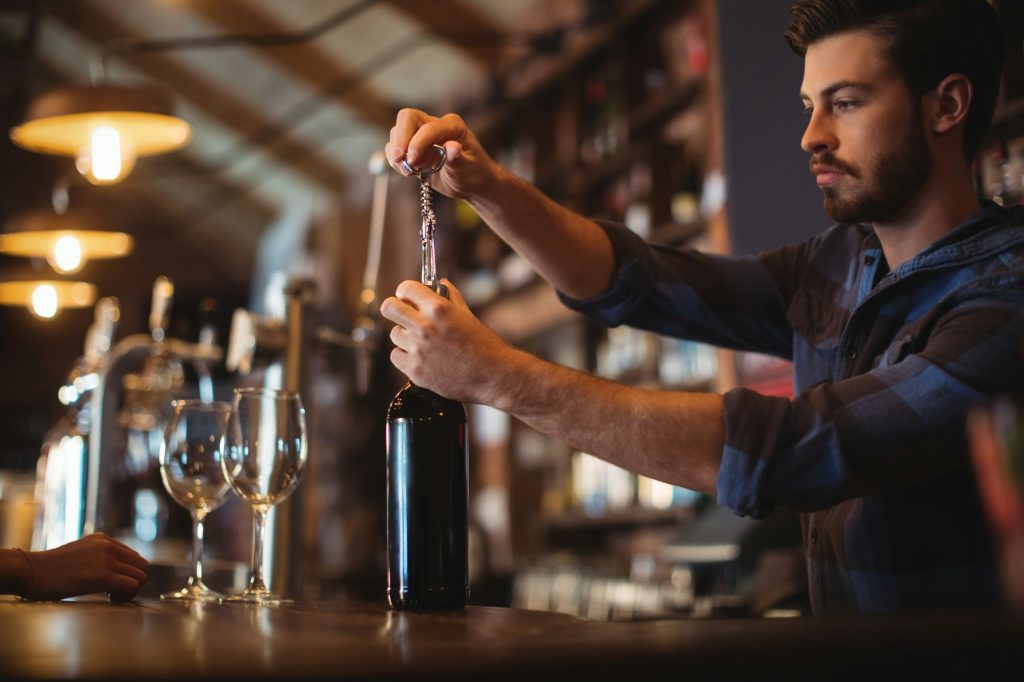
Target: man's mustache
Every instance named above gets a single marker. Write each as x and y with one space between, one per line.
832 162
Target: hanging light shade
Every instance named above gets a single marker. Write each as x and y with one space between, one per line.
46 298
66 241
103 127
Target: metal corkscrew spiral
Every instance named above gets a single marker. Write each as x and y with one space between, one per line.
428 220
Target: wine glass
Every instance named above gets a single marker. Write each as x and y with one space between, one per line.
190 466
263 463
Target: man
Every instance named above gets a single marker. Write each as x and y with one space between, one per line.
898 319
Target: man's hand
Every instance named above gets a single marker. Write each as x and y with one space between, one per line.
468 167
440 345
95 563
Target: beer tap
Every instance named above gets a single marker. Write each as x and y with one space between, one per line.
62 466
266 340
161 358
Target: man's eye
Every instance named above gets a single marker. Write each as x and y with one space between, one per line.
845 105
808 110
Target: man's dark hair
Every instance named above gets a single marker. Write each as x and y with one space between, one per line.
927 41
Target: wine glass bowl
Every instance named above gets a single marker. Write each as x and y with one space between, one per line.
192 473
263 463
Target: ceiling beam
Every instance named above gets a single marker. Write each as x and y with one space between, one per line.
89 20
306 62
186 213
461 26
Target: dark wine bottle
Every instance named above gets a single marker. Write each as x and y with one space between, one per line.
427 464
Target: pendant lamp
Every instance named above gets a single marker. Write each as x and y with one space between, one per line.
105 128
46 298
67 241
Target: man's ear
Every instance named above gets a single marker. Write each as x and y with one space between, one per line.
948 103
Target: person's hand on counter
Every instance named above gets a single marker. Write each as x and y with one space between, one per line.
440 345
95 563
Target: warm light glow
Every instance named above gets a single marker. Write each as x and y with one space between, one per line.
67 254
105 146
46 298
44 301
59 246
107 159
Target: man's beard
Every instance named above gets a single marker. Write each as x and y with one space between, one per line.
898 175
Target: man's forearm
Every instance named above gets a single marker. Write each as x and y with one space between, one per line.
671 436
566 249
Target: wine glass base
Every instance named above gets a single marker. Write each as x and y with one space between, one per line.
258 597
198 592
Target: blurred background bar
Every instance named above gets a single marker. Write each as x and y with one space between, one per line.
230 149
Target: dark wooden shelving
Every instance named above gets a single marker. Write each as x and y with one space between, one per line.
663 105
617 519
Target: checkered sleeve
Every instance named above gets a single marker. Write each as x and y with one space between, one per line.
882 429
734 302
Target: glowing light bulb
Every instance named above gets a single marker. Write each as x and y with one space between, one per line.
44 301
67 255
107 159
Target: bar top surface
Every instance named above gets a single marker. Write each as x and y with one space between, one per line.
146 639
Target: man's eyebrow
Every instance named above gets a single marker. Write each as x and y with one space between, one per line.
836 87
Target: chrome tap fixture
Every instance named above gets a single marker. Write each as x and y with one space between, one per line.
62 470
137 381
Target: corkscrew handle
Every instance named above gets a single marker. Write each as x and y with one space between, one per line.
442 156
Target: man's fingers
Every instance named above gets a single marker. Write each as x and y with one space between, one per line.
394 159
454 295
400 337
441 131
416 294
407 123
399 359
399 311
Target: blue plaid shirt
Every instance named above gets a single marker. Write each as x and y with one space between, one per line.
872 449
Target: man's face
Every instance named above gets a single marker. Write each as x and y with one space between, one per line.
869 152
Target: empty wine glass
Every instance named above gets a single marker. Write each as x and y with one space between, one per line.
263 463
190 466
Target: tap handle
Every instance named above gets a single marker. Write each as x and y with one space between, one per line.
160 311
100 336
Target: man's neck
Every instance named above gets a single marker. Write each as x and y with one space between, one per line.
941 205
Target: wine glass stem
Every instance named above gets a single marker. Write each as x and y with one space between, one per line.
197 548
258 536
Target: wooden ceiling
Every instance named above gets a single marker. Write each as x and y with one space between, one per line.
287 100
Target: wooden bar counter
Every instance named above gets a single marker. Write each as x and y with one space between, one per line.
146 639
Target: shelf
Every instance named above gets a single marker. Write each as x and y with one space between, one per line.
555 73
1008 111
581 177
525 313
661 106
617 519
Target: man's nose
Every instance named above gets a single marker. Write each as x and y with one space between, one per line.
818 136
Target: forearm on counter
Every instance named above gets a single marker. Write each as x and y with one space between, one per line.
16 573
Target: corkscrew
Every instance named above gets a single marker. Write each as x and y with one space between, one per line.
428 221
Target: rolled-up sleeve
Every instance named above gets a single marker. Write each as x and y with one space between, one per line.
729 301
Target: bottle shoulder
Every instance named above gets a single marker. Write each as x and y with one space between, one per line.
413 402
